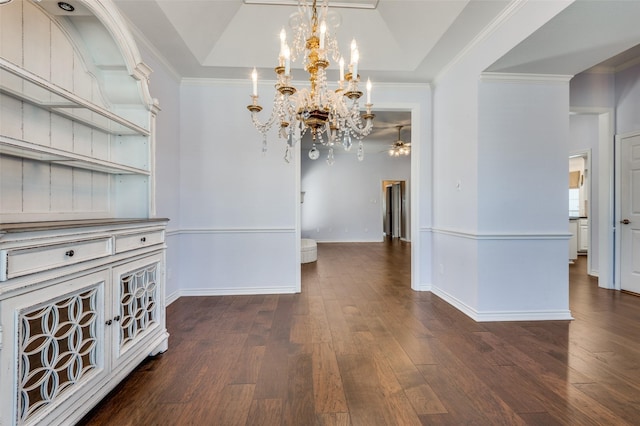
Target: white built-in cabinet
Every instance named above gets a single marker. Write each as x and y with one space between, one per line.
81 305
573 241
583 235
77 122
82 256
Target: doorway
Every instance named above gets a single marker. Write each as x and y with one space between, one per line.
580 205
602 246
394 209
332 191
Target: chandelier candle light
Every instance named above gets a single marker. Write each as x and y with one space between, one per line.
332 116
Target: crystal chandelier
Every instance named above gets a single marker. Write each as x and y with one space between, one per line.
332 116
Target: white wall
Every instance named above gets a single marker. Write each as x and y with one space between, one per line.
592 90
238 230
523 179
627 94
165 86
237 207
497 254
523 154
343 202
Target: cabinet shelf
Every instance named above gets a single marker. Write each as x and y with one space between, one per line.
24 149
33 89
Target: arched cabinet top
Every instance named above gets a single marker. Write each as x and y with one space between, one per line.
76 113
101 35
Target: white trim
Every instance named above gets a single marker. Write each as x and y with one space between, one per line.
419 136
606 164
506 13
524 78
487 316
504 236
419 139
630 63
140 37
298 215
233 231
16 217
170 298
267 82
523 316
423 287
235 291
613 70
347 241
455 302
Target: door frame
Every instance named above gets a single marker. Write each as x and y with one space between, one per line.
421 145
586 154
618 205
607 248
405 215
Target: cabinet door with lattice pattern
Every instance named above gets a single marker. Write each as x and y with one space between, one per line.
59 336
138 307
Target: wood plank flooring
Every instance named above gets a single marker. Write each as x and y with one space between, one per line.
359 347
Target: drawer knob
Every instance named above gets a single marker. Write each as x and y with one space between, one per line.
70 253
143 239
108 322
116 318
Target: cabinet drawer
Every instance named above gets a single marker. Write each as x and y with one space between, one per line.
18 262
133 241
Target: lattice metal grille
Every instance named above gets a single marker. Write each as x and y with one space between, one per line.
138 301
58 346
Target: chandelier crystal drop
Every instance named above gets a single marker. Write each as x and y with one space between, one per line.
332 116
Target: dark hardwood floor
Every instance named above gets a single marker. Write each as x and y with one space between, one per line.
359 347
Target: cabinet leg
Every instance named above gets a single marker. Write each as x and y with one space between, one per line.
162 347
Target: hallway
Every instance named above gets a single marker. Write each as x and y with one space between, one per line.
359 347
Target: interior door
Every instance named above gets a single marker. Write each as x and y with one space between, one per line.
397 213
629 226
388 218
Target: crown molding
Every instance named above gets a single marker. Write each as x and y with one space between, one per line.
509 11
524 77
246 82
599 69
142 39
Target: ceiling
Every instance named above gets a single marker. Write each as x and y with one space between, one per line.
400 41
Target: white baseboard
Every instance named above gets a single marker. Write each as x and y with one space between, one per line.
524 316
169 299
423 287
488 316
230 291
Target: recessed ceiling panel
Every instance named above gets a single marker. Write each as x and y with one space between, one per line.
200 23
358 4
394 37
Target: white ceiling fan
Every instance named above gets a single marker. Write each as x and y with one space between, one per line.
399 147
